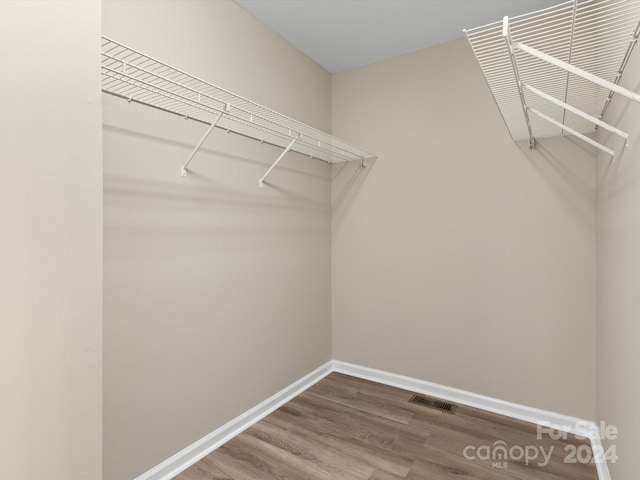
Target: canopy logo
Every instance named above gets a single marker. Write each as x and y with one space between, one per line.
499 453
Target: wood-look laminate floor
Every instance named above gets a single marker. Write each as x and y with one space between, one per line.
347 428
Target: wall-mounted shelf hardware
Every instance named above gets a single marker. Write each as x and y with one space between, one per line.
554 71
136 77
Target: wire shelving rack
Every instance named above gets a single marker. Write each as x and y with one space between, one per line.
554 71
137 77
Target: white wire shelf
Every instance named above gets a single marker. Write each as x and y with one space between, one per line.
594 36
136 77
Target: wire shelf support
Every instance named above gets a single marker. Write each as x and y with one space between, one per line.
561 64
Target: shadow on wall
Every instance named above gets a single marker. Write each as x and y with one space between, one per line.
188 147
553 159
205 195
347 179
145 196
625 177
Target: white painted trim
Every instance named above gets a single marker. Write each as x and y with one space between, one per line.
203 447
601 464
566 423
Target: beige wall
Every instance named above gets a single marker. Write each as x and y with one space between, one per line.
51 241
619 278
217 292
460 257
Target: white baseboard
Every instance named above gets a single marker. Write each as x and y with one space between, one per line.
573 425
513 410
601 464
203 447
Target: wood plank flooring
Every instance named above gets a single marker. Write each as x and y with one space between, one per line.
345 428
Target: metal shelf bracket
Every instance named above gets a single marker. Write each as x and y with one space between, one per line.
284 152
580 113
574 132
183 170
506 34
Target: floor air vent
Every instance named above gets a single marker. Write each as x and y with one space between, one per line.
433 403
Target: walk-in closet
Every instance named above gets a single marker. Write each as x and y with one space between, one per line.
310 239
